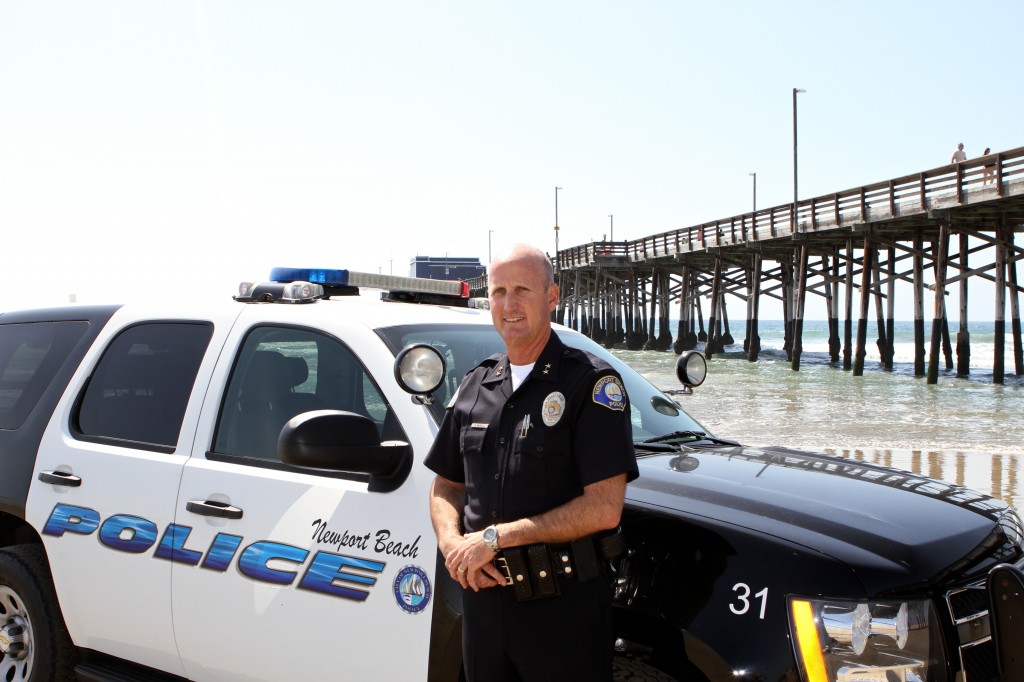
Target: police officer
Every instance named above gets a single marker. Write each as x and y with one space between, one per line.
532 460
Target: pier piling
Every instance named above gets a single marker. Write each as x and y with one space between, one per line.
832 307
865 300
1018 352
754 341
918 305
890 313
798 312
939 319
999 332
848 320
963 337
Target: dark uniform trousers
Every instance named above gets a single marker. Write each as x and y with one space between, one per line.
563 639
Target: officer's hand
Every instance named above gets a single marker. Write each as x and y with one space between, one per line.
470 564
490 575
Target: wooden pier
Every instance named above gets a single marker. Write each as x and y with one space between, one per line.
917 235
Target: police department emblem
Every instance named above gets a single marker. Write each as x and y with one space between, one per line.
412 589
554 406
608 391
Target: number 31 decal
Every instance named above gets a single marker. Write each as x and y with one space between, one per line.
742 603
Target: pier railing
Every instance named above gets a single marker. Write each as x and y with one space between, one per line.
976 180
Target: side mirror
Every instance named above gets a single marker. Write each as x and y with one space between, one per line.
419 370
691 369
345 441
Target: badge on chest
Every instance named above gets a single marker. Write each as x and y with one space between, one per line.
554 406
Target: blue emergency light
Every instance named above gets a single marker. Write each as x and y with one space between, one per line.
338 278
303 285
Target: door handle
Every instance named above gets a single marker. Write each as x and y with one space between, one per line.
60 478
213 508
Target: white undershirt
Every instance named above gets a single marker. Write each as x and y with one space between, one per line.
519 373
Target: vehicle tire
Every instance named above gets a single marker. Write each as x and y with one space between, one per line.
625 669
34 642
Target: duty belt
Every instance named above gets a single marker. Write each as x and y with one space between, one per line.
532 570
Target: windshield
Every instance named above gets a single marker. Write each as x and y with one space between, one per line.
464 346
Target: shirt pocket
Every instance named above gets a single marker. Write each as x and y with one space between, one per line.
471 442
542 461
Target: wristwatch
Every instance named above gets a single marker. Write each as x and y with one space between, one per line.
491 538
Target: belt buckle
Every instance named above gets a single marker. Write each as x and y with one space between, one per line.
502 564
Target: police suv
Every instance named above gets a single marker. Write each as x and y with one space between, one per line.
236 492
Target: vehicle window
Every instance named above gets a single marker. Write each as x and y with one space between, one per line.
30 355
140 388
465 346
282 372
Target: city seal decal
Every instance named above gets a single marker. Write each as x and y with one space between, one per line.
608 391
412 589
554 406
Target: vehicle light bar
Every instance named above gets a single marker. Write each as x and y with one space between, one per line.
279 292
346 278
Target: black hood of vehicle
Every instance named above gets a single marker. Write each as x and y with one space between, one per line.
895 530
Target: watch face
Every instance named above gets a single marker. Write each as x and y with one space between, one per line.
491 538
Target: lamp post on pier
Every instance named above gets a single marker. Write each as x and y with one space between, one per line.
796 339
796 91
556 224
611 227
556 314
754 175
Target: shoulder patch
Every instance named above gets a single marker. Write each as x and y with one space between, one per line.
608 391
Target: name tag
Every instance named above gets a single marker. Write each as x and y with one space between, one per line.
478 425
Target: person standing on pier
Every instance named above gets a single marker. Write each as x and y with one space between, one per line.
532 459
959 155
989 171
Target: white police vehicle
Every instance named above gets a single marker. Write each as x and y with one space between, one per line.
236 492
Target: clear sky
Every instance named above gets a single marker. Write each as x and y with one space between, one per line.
173 148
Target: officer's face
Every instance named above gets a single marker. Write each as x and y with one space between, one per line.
521 305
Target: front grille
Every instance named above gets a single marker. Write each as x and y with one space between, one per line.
968 607
967 602
979 661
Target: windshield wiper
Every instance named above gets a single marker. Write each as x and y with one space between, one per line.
677 436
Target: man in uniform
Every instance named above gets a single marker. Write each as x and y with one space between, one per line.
532 460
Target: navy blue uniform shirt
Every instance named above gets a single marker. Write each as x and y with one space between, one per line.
523 453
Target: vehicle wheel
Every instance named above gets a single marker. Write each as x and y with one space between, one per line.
34 642
626 669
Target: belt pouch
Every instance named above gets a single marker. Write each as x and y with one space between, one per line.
611 544
585 559
540 571
520 574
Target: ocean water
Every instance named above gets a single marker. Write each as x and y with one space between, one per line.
965 431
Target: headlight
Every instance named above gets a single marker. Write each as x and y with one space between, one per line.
883 641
